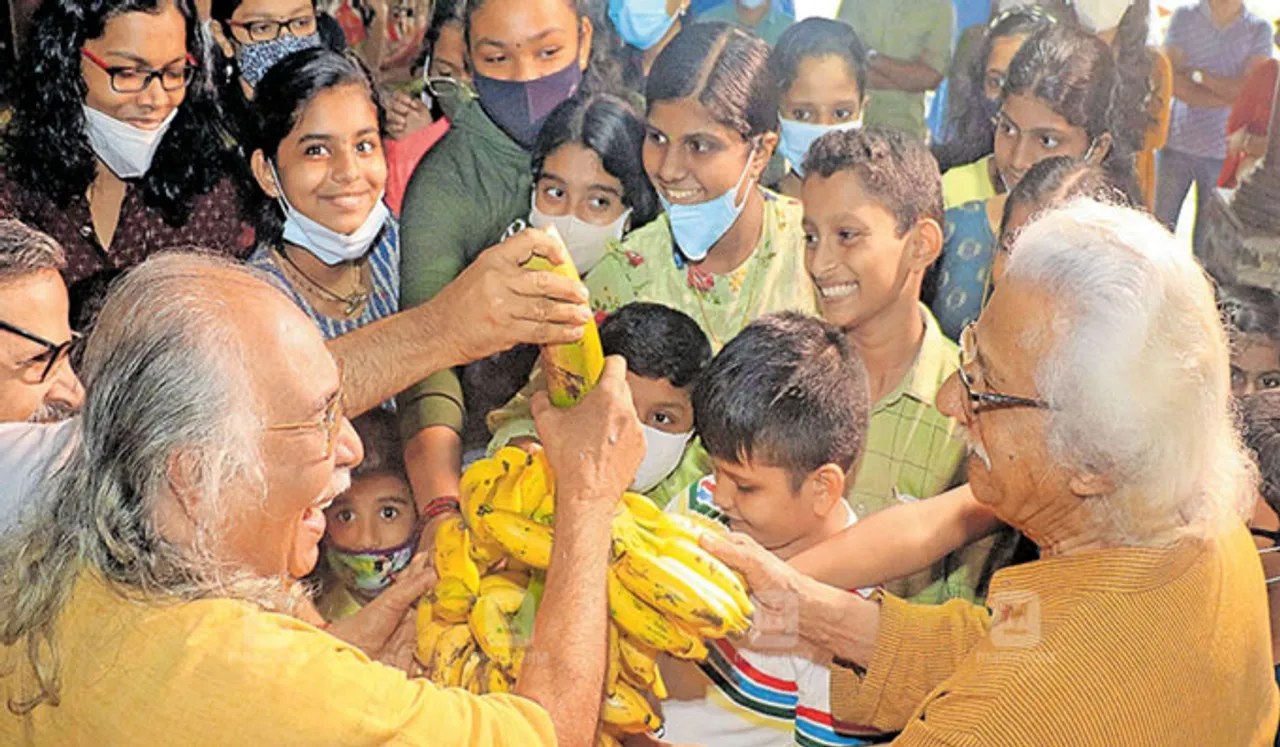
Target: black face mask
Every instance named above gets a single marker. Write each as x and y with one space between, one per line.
519 107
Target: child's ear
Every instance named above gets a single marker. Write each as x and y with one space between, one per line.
263 175
825 486
760 161
924 244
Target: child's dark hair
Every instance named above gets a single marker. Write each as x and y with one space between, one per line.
723 68
443 13
787 392
1246 310
657 342
814 38
1260 424
280 99
1074 73
383 450
895 168
611 128
1057 180
970 132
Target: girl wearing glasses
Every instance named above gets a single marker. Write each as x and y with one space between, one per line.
113 149
324 231
1063 96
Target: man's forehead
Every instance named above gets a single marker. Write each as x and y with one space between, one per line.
1016 327
290 367
35 301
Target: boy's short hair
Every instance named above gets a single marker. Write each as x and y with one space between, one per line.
895 168
383 450
658 342
787 392
1260 422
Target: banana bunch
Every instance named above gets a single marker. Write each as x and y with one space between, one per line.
666 595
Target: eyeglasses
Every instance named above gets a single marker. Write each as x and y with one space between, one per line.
982 401
263 31
54 353
330 422
136 79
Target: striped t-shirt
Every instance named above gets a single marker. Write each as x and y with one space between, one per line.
747 698
384 297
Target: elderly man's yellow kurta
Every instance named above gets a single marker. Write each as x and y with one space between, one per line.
1116 647
219 672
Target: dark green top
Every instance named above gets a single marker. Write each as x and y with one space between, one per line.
463 196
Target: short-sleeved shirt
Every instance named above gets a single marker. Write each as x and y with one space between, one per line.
223 672
915 30
647 267
1202 131
384 295
214 224
770 28
748 698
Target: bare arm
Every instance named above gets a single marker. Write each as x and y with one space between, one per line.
595 449
1192 94
493 305
1229 89
913 76
898 541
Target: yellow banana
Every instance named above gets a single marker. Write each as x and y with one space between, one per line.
545 513
536 481
709 567
675 589
453 553
638 661
645 512
644 623
492 630
659 686
508 594
469 676
451 599
574 368
517 664
453 673
613 660
429 630
453 645
605 739
477 485
523 538
506 495
629 534
627 709
690 526
495 679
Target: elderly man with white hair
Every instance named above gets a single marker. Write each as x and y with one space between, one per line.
152 598
1095 394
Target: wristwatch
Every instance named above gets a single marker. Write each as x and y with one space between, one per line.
1197 77
871 56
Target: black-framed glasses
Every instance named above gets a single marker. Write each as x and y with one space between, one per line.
981 401
53 352
264 30
136 79
330 422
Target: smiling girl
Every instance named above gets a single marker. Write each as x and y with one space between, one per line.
113 149
726 251
324 230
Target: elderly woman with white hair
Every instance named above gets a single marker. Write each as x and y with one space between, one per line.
1095 394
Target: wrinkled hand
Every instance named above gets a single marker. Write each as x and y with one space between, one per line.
497 304
596 446
385 628
405 115
776 589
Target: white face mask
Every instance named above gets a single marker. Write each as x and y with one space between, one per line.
798 137
125 149
662 454
326 244
585 241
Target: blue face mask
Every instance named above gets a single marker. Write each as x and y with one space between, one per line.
255 60
641 23
697 228
798 137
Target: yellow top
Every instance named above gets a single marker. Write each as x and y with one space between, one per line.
221 672
968 183
1126 646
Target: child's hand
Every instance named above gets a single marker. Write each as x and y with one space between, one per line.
384 629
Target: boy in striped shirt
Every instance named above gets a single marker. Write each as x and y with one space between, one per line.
783 411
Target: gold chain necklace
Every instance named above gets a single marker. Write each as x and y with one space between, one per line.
746 310
353 302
